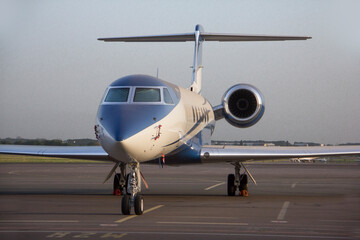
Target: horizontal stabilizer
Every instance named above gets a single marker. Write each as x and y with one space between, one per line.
199 36
185 37
246 37
155 38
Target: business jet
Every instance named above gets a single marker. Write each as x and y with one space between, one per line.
143 118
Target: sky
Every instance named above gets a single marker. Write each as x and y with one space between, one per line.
53 71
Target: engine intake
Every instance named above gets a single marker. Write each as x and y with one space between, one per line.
243 105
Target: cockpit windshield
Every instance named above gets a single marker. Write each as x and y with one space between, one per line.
138 95
147 95
117 95
167 96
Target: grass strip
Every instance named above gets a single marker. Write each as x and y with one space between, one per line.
5 158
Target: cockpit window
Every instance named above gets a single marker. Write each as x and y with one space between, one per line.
167 97
147 95
117 95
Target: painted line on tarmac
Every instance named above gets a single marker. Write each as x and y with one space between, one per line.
341 221
204 217
134 216
283 210
81 235
214 186
276 221
204 223
293 185
108 225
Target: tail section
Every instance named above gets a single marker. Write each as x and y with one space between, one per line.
198 37
197 67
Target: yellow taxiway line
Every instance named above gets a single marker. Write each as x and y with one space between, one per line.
134 216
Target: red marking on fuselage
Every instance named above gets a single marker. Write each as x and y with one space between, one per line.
158 132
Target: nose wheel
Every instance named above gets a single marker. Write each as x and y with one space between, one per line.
139 204
126 204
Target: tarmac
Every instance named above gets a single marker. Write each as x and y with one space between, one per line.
290 201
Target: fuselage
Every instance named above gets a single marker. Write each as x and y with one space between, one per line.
142 118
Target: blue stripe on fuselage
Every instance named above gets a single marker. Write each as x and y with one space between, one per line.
196 124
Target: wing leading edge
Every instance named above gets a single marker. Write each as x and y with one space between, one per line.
218 153
83 152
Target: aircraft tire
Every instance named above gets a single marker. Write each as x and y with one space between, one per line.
116 185
231 189
126 183
139 204
243 182
125 205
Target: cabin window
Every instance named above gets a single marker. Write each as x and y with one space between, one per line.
117 95
147 95
167 97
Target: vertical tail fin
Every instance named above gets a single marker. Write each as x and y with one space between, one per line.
197 67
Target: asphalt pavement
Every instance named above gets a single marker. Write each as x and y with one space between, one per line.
290 201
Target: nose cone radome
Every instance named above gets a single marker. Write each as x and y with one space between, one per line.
125 120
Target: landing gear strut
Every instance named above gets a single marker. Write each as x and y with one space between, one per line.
132 197
119 185
237 181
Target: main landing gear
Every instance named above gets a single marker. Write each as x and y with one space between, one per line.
238 181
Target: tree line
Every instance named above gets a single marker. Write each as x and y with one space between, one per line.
50 142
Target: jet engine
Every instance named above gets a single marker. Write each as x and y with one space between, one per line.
242 105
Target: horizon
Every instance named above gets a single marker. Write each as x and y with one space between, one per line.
212 140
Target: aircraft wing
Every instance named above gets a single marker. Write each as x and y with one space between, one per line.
83 152
222 153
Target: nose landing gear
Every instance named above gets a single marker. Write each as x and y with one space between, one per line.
132 197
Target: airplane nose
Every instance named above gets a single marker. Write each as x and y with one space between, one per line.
122 121
118 121
118 133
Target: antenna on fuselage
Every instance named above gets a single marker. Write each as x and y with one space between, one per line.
199 36
157 72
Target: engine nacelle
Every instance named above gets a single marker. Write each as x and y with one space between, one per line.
243 105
